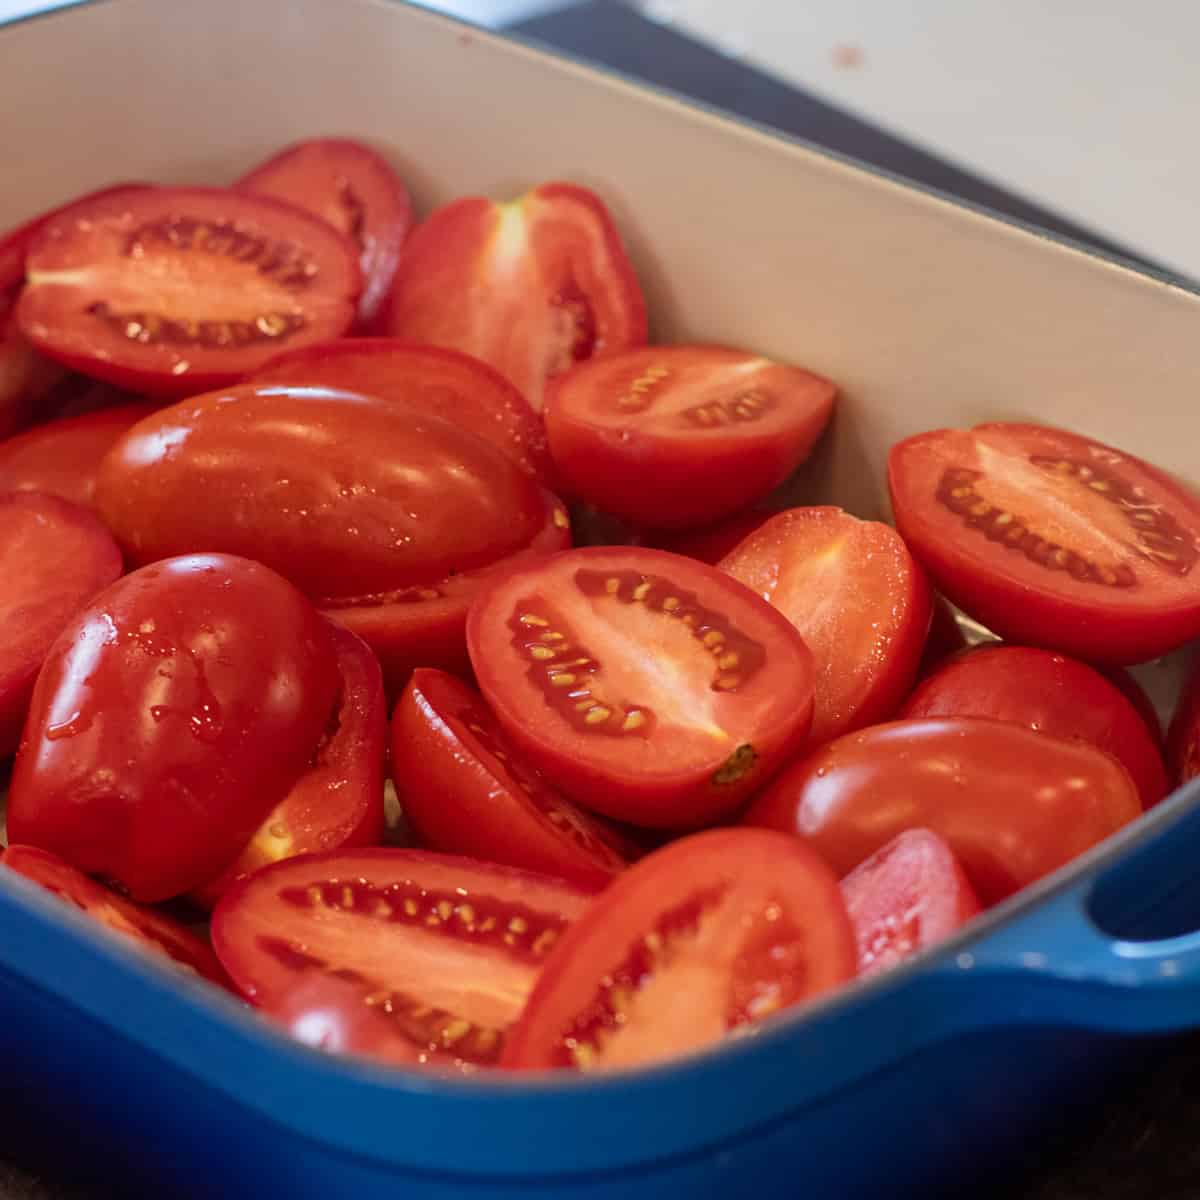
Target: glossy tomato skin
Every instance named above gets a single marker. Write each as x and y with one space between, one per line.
170 716
711 933
859 600
674 437
464 790
1012 804
648 687
1050 539
54 558
1047 692
531 286
175 291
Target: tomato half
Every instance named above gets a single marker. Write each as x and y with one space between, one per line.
1183 736
354 189
461 389
169 718
649 687
1047 692
465 790
1012 804
173 291
906 897
147 928
1052 539
412 957
678 436
700 939
859 600
711 543
531 287
54 558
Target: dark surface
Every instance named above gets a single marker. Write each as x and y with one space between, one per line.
1144 1142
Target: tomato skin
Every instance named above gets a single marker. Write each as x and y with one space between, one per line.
1001 796
170 716
784 938
1047 692
684 766
1183 734
460 796
710 543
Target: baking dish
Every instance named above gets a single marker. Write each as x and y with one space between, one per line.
926 313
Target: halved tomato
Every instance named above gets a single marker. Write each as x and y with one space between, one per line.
677 436
1052 539
1183 736
710 543
531 287
454 386
859 600
172 291
649 687
412 957
147 928
354 189
906 897
465 790
699 940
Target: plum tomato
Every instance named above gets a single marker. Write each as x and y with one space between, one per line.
171 715
1051 539
649 687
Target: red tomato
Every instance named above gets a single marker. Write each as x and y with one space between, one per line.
1133 691
945 637
905 898
464 790
531 287
54 558
713 542
1183 736
1047 692
1013 804
412 957
701 938
169 718
351 187
649 687
455 386
678 436
1052 539
858 599
171 291
152 931
337 803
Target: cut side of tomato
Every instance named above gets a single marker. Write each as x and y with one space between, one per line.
859 600
353 188
1051 539
700 939
906 897
174 291
679 436
465 790
413 957
531 286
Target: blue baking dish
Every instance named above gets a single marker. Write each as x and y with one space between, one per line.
927 313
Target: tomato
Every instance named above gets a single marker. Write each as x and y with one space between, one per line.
1133 691
858 599
531 287
1047 692
63 457
698 940
649 687
54 558
465 790
413 957
945 637
711 543
1012 804
172 291
678 436
170 716
1052 539
337 803
146 928
1183 736
354 189
447 384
